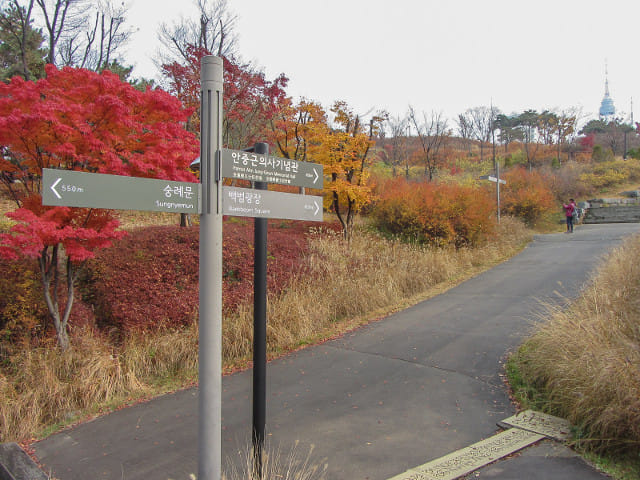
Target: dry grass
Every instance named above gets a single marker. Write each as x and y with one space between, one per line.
44 388
278 464
349 285
584 361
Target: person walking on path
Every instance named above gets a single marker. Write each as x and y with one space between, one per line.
569 209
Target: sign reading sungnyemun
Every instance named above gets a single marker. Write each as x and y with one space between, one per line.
67 188
266 168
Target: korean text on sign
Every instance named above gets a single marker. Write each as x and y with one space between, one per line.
180 191
247 159
248 198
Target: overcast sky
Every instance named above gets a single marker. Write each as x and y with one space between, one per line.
444 55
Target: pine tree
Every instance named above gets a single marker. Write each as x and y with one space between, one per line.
21 51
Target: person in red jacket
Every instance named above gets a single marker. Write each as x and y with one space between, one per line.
568 211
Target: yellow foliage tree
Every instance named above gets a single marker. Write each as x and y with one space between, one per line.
346 158
298 131
302 132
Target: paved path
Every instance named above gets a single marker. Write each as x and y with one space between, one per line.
375 403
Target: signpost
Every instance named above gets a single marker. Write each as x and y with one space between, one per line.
258 167
211 200
98 190
210 309
498 181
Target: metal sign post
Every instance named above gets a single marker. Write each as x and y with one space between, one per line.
210 336
259 416
498 181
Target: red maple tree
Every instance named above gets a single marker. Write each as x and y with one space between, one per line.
76 119
250 100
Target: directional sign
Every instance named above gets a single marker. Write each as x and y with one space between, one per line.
268 169
492 179
98 190
246 202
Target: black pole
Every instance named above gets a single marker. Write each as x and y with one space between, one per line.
259 329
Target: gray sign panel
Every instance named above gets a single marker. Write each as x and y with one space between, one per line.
246 202
268 169
491 178
67 188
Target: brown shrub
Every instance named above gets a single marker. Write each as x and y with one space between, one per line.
526 195
438 214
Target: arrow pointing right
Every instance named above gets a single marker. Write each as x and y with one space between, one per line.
53 188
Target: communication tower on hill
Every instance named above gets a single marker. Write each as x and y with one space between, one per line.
607 109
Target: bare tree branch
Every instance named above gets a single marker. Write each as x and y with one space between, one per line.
213 31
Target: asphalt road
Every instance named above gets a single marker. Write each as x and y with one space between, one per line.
390 396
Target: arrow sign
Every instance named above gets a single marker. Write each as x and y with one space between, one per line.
66 188
492 179
53 188
265 168
246 202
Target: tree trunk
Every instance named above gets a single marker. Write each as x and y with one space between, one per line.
50 272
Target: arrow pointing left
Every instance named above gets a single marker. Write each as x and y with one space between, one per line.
53 188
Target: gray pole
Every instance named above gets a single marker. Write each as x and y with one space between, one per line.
210 340
498 188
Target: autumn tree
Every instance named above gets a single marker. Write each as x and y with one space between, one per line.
250 100
432 132
610 134
346 159
299 130
76 119
21 51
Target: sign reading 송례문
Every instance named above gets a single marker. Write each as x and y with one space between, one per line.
266 168
67 188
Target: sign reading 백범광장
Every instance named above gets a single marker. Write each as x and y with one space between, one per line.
247 202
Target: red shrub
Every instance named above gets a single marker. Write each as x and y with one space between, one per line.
150 278
435 213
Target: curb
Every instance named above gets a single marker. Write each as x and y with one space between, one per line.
15 464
